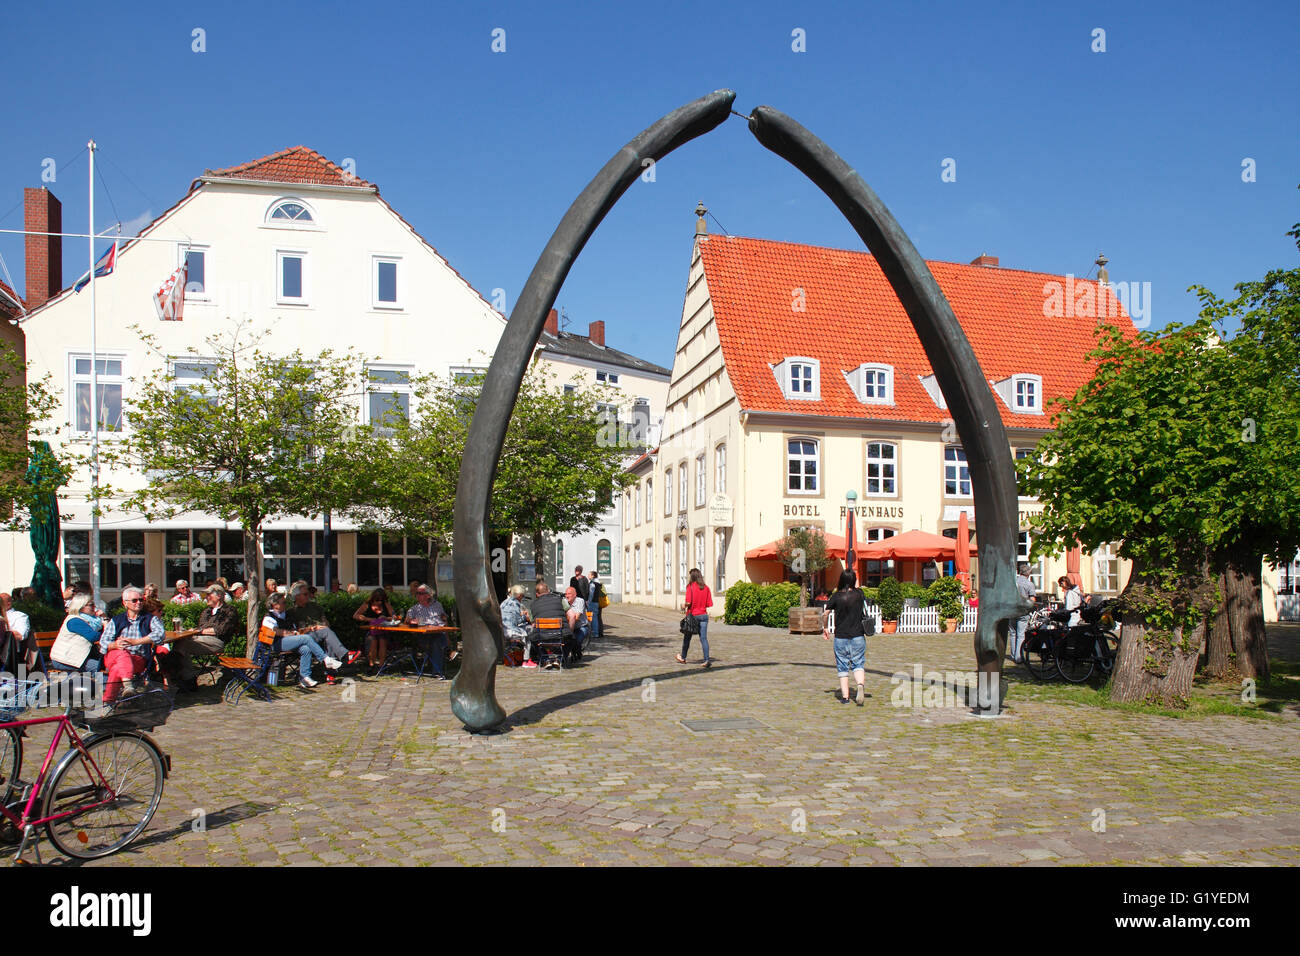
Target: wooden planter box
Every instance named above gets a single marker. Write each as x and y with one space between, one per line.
805 620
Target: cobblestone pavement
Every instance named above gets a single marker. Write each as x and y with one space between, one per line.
598 767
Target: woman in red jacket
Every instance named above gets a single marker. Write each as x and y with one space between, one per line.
698 602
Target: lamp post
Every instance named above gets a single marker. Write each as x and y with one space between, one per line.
850 530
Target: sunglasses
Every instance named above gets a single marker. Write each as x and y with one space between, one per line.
132 600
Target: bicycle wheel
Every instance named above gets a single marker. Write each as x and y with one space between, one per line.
1110 651
134 771
1073 666
11 762
1037 654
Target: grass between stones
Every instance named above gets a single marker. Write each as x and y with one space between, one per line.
1264 699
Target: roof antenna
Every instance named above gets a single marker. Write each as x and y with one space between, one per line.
564 319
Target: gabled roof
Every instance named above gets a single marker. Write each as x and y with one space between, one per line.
571 345
297 165
851 316
11 303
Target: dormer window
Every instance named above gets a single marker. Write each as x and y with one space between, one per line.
873 384
1027 394
1022 394
799 378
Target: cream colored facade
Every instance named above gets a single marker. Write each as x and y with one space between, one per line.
723 450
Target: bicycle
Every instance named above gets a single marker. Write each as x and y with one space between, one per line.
1091 645
104 790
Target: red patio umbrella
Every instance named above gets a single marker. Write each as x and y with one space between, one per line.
767 552
961 560
850 542
1072 560
910 544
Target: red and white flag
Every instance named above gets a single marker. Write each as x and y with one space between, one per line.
169 300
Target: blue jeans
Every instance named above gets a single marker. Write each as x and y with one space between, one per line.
434 647
850 654
306 647
595 622
703 620
1018 637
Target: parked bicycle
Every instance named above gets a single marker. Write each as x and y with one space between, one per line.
104 790
1053 648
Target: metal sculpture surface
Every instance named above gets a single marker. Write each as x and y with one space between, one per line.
964 386
44 473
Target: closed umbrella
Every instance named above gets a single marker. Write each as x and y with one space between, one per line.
1073 557
850 542
962 559
45 475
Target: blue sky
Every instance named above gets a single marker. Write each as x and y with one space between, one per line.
1061 152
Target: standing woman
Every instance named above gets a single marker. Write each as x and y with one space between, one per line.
848 604
698 601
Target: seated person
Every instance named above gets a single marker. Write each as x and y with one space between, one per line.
821 599
575 611
128 642
23 640
183 593
514 618
378 608
77 646
307 617
217 624
548 604
274 624
428 612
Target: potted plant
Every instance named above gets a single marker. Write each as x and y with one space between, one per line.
947 594
889 597
803 551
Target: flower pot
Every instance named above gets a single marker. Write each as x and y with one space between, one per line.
950 625
888 627
805 620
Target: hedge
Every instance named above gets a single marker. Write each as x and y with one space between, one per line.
766 604
777 603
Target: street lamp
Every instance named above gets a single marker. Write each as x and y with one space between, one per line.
850 529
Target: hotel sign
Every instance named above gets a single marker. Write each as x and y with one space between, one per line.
721 512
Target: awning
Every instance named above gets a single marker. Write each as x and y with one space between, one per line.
77 518
910 544
767 552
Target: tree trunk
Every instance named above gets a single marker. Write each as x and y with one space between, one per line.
431 564
1239 624
1155 669
539 554
253 567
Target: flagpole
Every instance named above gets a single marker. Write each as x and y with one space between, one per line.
94 396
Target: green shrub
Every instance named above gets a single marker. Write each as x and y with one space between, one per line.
777 601
42 616
890 598
744 603
873 594
910 589
946 593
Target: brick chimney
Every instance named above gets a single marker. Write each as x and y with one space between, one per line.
43 213
552 322
988 262
597 333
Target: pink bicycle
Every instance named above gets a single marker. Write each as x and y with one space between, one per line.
104 790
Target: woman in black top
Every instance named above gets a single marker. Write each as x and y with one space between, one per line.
848 605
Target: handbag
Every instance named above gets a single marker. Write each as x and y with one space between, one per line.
689 625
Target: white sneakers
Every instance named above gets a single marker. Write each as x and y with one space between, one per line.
332 663
307 682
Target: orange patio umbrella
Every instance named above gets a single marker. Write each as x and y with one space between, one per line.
1073 557
910 544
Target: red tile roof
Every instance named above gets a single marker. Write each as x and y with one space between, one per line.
297 164
10 301
852 316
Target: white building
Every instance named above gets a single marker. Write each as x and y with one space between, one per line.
304 251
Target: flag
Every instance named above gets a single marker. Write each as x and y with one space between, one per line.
102 268
169 300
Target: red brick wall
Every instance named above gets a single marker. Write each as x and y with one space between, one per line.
43 213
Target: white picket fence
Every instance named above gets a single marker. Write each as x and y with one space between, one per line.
925 620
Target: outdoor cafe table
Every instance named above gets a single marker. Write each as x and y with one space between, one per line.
407 654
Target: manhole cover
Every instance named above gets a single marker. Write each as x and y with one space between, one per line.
724 723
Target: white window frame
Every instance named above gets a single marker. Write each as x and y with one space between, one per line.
627 570
960 465
701 556
681 563
1017 454
280 297
668 492
206 252
204 386
395 388
399 303
649 567
1106 580
683 480
606 377
886 396
883 463
785 378
637 509
636 569
649 499
720 560
668 564
627 509
816 458
1035 407
720 468
297 224
701 481
75 378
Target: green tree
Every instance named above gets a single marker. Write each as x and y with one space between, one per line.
803 551
1183 448
26 410
247 437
